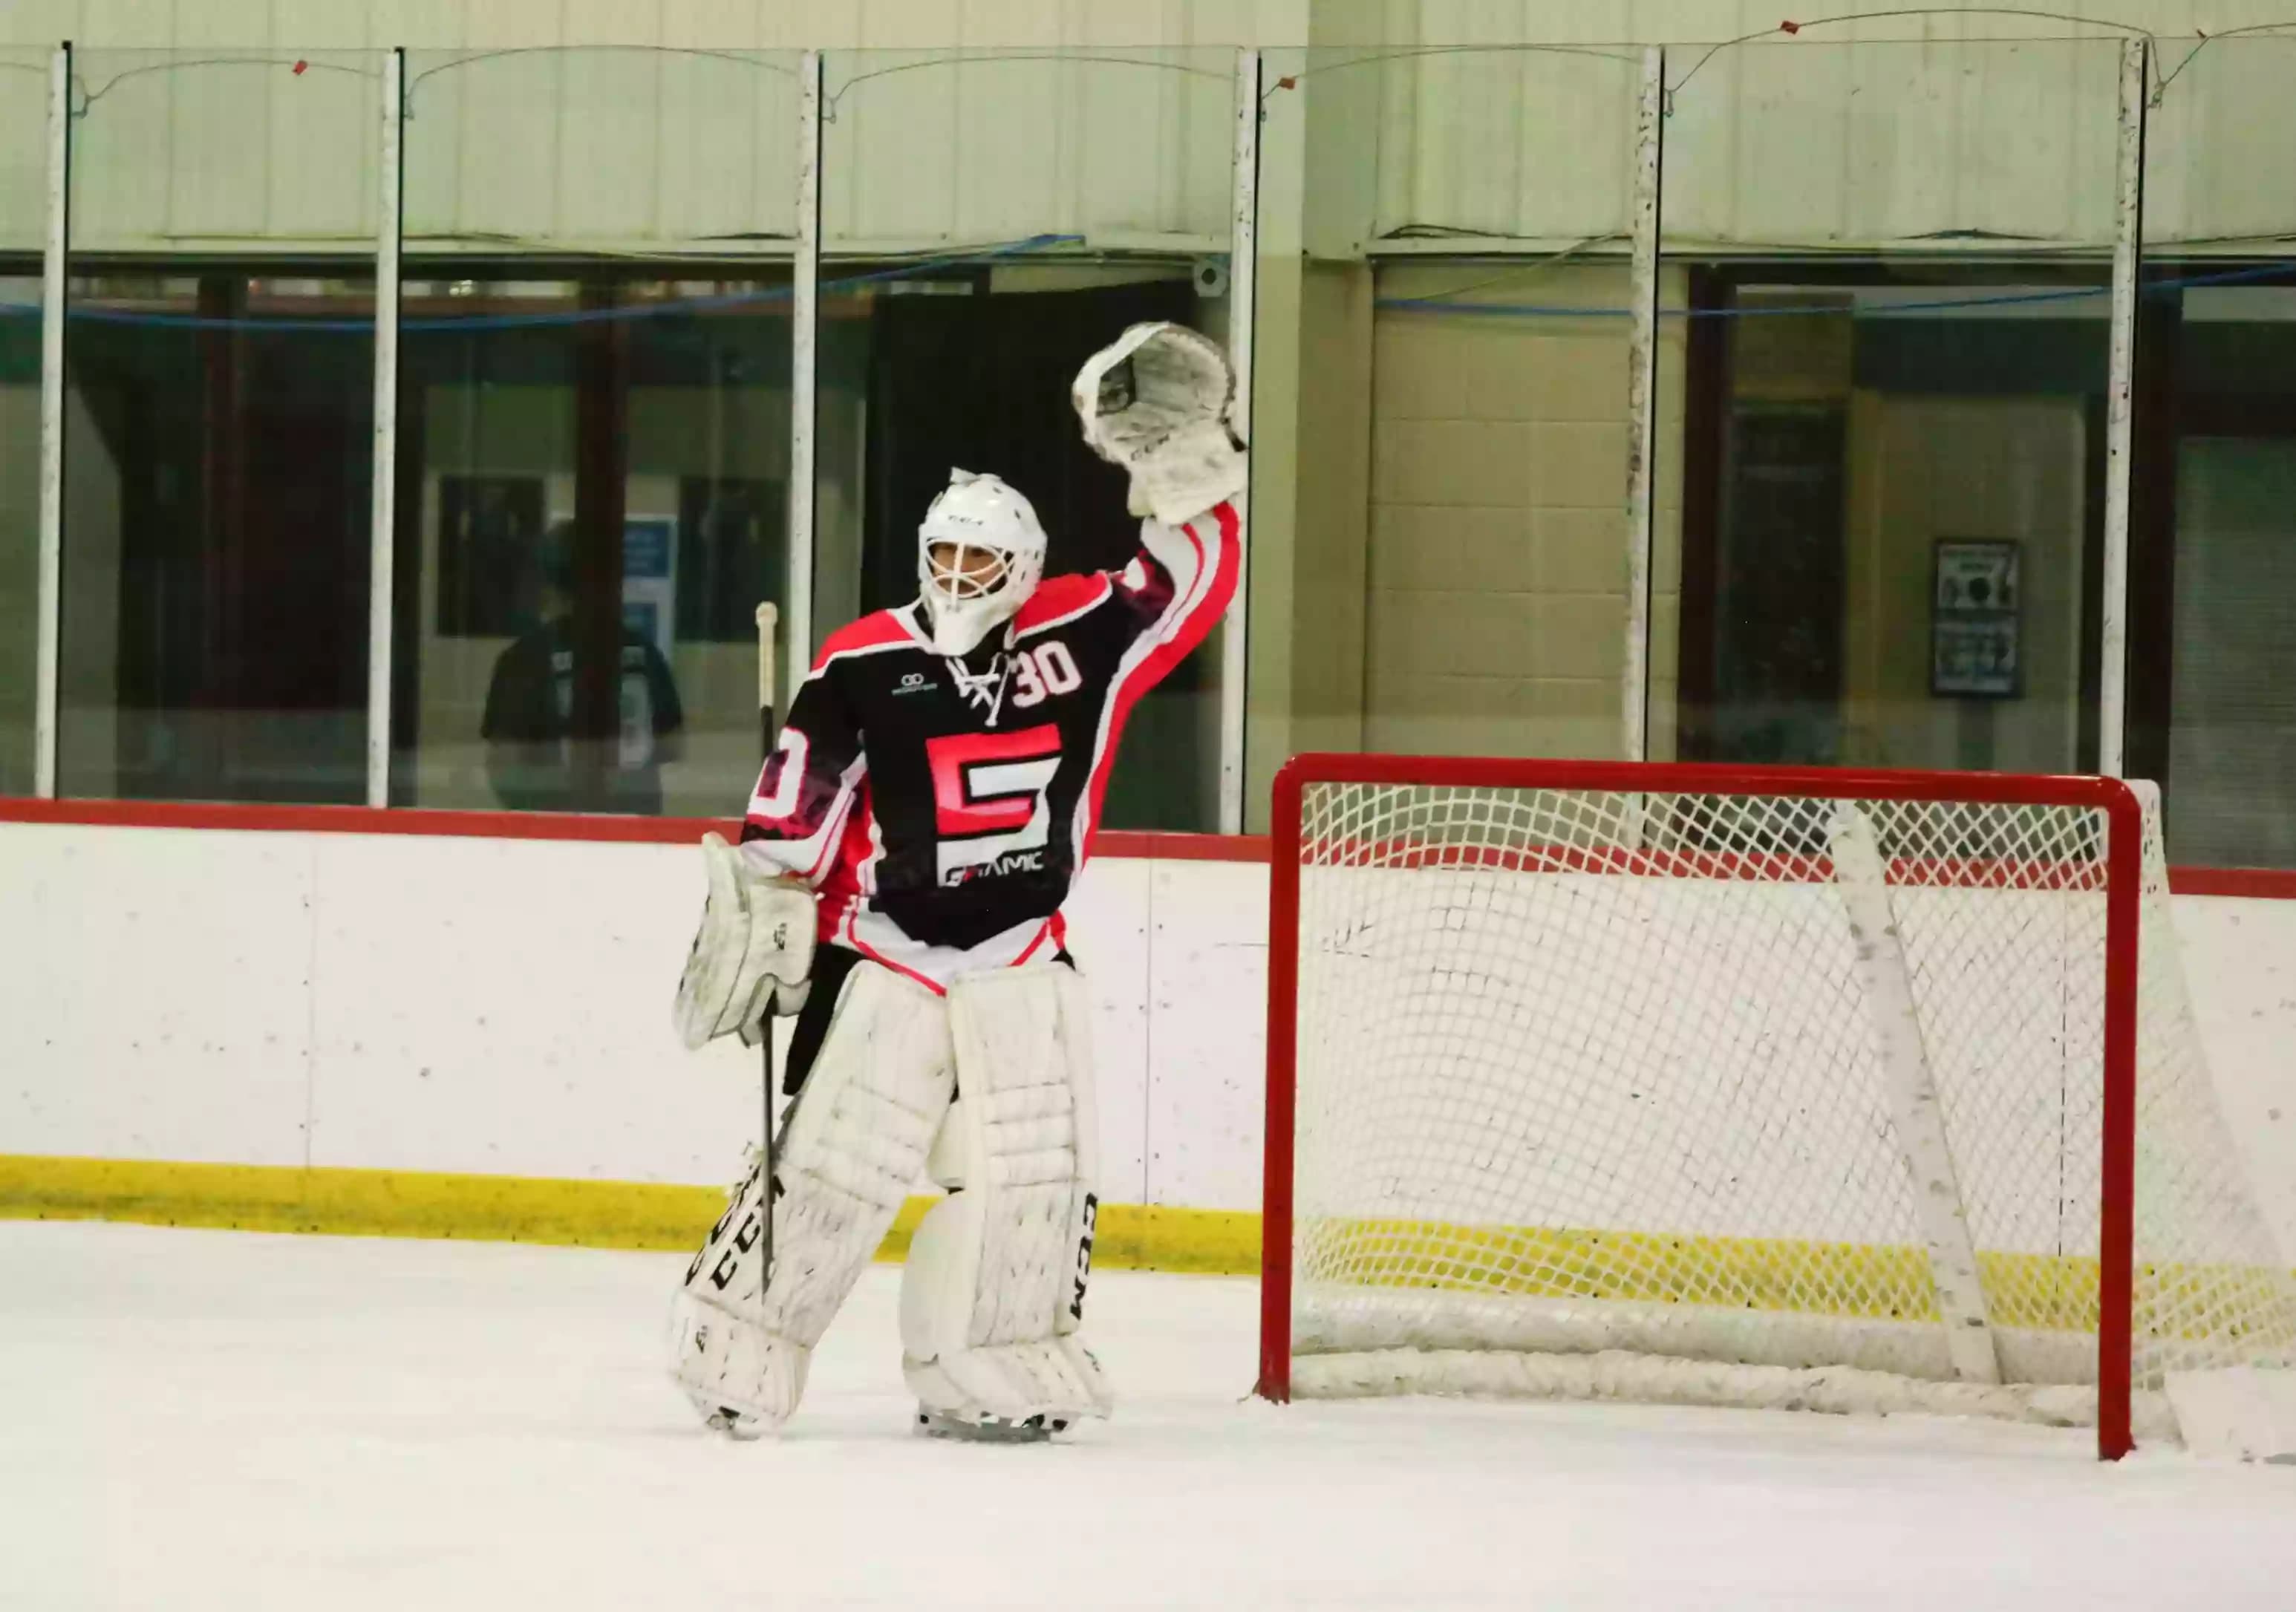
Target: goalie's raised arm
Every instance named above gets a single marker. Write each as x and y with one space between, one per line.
1179 585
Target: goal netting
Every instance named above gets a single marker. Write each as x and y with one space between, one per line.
1825 1090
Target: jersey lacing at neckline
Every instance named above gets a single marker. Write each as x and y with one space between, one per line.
984 689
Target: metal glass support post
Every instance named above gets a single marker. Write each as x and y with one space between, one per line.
382 497
1642 406
1243 262
2128 232
797 618
49 638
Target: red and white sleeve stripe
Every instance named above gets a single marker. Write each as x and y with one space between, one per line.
1202 559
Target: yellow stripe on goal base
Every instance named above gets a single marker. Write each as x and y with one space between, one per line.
1868 1281
517 1208
1871 1282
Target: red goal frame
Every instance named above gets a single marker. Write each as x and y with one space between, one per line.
2124 883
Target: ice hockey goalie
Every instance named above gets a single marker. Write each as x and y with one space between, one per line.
898 885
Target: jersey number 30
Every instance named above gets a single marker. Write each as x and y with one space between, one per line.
989 800
1047 669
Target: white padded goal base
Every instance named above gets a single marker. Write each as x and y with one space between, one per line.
1658 1380
1336 1321
2239 1412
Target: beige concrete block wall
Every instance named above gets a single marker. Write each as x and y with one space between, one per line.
1496 603
1926 468
1330 574
1307 549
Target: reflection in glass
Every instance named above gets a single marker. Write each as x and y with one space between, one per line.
1894 562
592 501
20 520
2223 580
216 506
1895 363
23 195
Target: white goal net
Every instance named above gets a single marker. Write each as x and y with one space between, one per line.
1785 1089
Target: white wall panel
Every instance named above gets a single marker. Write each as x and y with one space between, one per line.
202 148
1109 937
1506 141
1125 147
725 165
1805 142
1208 1005
154 998
1840 136
623 147
1895 128
2240 965
2214 165
595 124
23 147
608 118
502 1007
732 24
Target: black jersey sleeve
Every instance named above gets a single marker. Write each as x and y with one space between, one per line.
806 789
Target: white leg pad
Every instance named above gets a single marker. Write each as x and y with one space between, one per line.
851 1148
993 1295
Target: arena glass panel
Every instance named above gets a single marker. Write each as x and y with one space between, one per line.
1442 562
594 426
23 227
1894 465
2212 555
989 220
220 382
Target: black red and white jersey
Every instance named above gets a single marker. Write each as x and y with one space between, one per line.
941 807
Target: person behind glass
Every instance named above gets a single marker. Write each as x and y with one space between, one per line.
531 750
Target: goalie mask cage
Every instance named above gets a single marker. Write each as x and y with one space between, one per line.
1809 1088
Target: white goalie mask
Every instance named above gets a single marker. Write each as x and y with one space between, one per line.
964 599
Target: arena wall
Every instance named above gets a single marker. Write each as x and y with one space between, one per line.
1835 139
449 1003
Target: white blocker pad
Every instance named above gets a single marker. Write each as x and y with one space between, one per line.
854 1143
753 950
993 1296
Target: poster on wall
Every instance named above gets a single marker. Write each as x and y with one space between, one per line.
649 578
1974 619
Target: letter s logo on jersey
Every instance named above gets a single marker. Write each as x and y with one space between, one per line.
988 800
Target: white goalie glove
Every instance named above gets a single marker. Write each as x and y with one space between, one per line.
752 955
1157 401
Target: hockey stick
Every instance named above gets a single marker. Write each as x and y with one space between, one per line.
768 737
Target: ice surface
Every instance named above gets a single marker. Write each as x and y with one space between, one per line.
194 1419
